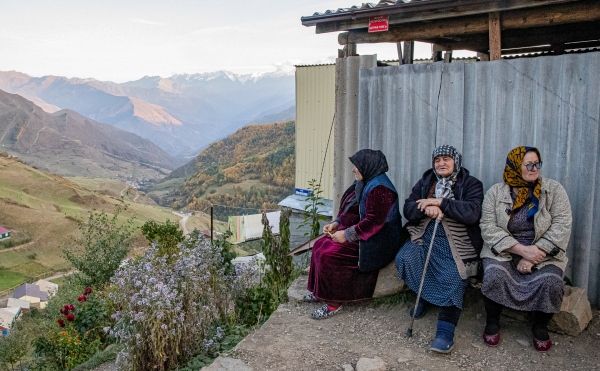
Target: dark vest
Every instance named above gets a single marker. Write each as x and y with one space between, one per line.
380 249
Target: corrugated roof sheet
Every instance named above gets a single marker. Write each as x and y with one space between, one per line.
364 6
3 230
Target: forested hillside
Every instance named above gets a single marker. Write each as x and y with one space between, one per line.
253 168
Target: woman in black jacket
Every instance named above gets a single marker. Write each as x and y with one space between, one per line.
449 193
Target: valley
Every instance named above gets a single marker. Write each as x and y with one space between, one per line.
41 209
252 169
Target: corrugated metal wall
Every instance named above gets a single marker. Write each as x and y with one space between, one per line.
485 110
315 107
346 120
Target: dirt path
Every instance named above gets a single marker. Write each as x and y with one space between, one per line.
18 247
290 340
182 222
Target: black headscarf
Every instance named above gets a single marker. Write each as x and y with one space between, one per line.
370 164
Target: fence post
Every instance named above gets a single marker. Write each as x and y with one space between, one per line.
211 224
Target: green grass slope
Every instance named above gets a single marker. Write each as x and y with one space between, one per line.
42 208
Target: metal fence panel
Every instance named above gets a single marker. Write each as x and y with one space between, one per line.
485 110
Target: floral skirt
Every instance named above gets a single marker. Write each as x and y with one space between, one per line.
443 285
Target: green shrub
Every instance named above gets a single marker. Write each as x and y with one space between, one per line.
167 236
101 249
13 348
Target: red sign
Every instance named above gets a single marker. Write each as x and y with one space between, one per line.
379 23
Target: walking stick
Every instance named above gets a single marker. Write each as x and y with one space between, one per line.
412 321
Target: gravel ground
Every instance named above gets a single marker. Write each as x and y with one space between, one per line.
290 340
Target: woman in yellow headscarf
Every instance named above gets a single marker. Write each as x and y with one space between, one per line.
526 226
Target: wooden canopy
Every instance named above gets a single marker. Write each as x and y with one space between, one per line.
489 27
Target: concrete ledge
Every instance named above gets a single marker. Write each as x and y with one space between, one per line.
387 284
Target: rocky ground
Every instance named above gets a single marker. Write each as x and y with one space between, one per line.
290 340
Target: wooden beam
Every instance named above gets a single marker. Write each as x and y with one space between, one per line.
495 36
409 52
583 11
520 38
418 11
558 49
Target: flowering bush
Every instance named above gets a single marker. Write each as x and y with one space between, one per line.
76 335
165 305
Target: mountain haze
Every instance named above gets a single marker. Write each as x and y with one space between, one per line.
179 114
70 144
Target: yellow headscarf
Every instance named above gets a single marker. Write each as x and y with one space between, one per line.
514 178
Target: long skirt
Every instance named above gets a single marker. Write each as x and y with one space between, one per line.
334 275
443 285
541 290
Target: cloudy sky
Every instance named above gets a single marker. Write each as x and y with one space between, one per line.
123 40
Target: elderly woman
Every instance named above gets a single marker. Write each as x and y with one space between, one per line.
361 240
448 192
526 225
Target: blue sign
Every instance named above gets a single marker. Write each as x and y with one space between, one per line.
303 192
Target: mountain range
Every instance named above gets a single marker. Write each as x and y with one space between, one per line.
181 114
66 143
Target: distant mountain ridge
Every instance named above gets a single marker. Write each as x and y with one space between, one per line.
70 144
253 168
179 114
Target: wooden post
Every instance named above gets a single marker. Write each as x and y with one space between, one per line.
409 52
399 46
448 56
495 38
211 224
350 50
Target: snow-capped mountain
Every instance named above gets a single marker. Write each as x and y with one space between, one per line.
179 113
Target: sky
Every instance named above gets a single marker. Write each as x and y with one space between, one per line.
124 40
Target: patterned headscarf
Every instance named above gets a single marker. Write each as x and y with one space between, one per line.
514 178
443 188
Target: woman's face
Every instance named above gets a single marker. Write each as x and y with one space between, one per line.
530 158
444 165
357 174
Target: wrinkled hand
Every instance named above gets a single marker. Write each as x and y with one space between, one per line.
330 229
524 266
434 212
339 237
423 203
533 254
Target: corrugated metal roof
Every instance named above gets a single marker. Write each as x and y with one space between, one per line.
314 65
364 6
3 230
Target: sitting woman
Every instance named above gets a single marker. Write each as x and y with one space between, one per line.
365 233
449 193
526 225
